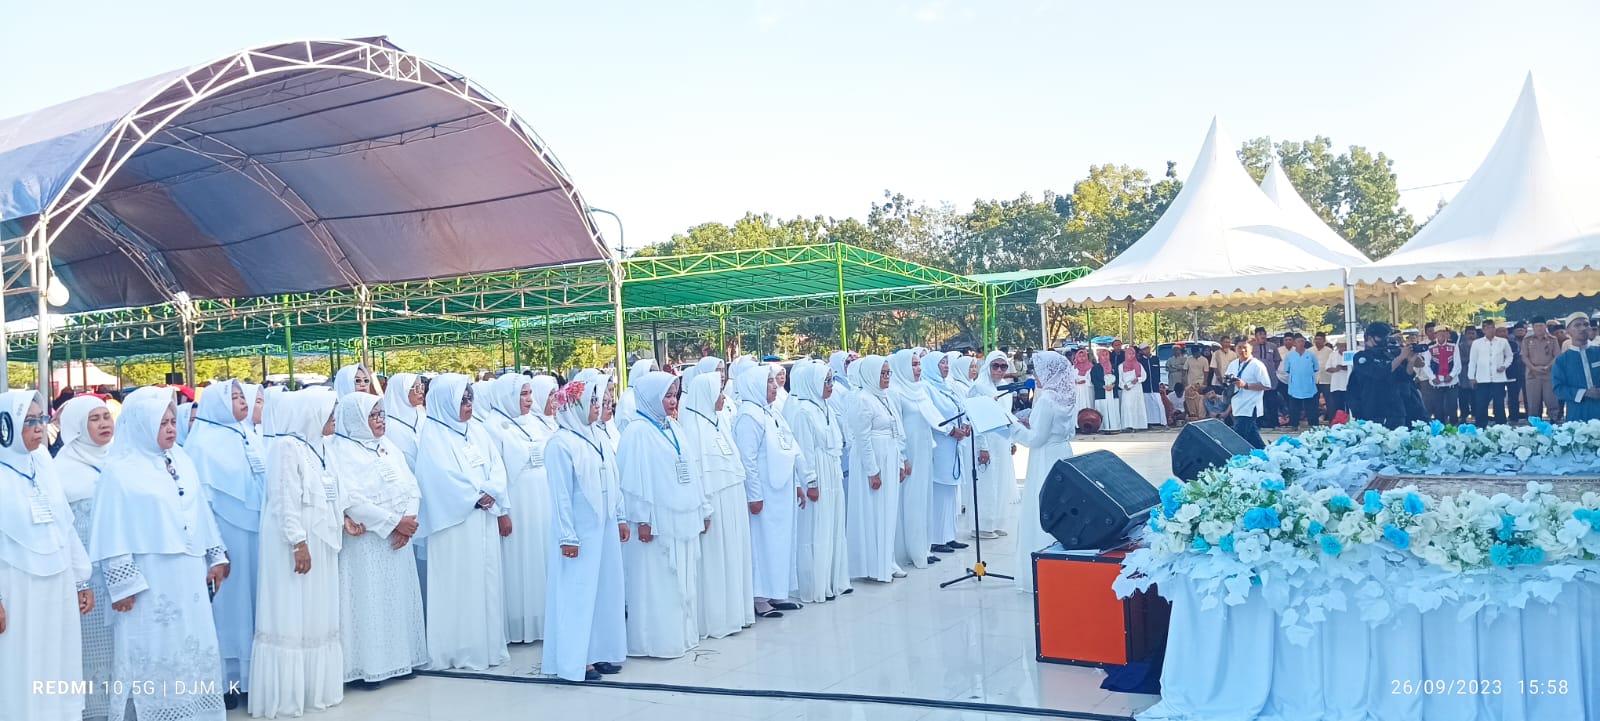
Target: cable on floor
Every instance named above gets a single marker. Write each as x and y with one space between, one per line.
786 695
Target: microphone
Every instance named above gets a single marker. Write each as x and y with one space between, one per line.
1026 385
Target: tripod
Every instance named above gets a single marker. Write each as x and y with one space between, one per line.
978 569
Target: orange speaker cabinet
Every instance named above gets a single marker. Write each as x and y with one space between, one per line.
1079 619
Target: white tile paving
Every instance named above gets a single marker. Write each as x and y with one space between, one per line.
971 642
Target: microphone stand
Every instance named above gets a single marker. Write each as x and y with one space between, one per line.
978 569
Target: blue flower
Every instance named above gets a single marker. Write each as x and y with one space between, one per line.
1508 529
1171 497
1155 520
1467 429
1591 517
1501 555
1435 428
1272 484
1238 461
1505 554
1396 536
1315 529
1341 502
1532 554
1261 519
1258 453
1200 545
1414 504
1226 543
1543 426
1332 546
1372 502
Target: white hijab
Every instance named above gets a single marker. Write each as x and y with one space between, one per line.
651 449
397 403
451 483
591 459
77 448
149 501
903 384
220 446
370 469
37 549
960 381
344 382
809 414
702 426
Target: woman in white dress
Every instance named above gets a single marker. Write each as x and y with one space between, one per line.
401 403
997 471
157 543
297 661
1130 377
465 513
667 507
727 589
86 431
44 571
1083 381
231 459
1048 434
839 402
1107 393
879 467
952 457
585 633
521 425
774 486
607 428
380 598
822 560
920 419
355 379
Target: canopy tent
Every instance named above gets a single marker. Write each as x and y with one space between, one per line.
1221 243
290 168
1513 231
81 374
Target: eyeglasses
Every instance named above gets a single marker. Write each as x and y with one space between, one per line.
999 366
35 421
377 416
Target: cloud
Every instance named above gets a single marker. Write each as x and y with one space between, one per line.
931 12
769 13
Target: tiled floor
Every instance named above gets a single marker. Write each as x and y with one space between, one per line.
909 639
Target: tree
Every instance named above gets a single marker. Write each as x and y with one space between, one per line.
1112 208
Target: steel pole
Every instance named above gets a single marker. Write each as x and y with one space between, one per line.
1044 326
41 278
1352 324
1131 339
838 271
288 345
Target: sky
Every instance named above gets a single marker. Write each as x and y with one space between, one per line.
677 113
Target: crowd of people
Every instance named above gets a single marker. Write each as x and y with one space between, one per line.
294 542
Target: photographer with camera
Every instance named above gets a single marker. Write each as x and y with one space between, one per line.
1251 381
1381 385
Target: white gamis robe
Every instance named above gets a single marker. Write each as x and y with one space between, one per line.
297 660
920 421
727 587
584 611
1131 406
822 566
663 585
43 564
380 600
773 471
997 481
520 440
1048 439
951 466
78 466
155 538
878 449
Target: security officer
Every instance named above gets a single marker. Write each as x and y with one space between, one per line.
1381 387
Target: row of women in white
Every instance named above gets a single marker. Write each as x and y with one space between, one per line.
305 514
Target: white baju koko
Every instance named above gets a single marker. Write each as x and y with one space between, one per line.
584 614
1132 405
822 558
78 467
921 420
231 458
997 481
879 444
297 660
43 565
456 469
661 491
155 539
773 471
520 439
1052 426
727 587
380 598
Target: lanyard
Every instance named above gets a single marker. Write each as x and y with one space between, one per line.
311 448
446 426
515 425
29 476
359 443
588 442
663 431
708 419
827 418
231 429
396 419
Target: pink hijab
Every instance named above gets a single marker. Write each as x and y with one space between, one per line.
1081 362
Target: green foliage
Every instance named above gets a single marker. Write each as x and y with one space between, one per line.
1355 192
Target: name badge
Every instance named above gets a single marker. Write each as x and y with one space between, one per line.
253 457
474 456
387 472
535 458
330 487
723 446
41 508
784 442
682 467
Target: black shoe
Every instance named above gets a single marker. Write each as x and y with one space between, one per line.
786 606
591 675
606 668
934 559
769 613
847 592
955 544
942 548
230 701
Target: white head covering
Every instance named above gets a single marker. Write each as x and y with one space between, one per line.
520 436
344 382
700 397
903 384
806 383
397 401
373 476
78 448
350 419
1057 375
482 400
736 369
840 362
450 481
37 549
504 396
985 384
706 364
220 446
149 501
305 415
573 405
652 389
308 414
185 420
752 385
960 381
702 427
930 370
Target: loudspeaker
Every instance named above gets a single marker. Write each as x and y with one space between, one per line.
1205 444
1093 500
174 379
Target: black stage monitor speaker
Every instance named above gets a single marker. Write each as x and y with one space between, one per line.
174 379
1205 444
1093 500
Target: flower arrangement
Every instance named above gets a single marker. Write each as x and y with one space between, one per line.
1292 520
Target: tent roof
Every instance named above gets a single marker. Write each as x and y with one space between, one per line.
1222 242
286 168
1511 232
1299 216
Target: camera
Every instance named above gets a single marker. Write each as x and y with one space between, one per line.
1419 348
1230 380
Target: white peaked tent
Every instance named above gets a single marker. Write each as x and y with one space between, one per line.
1512 232
1302 219
1222 242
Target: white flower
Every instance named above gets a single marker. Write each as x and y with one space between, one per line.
1186 513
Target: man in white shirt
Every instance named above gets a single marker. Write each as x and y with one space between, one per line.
1444 369
1251 383
1327 358
1491 356
1338 381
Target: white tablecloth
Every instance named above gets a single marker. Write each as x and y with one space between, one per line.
1233 663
